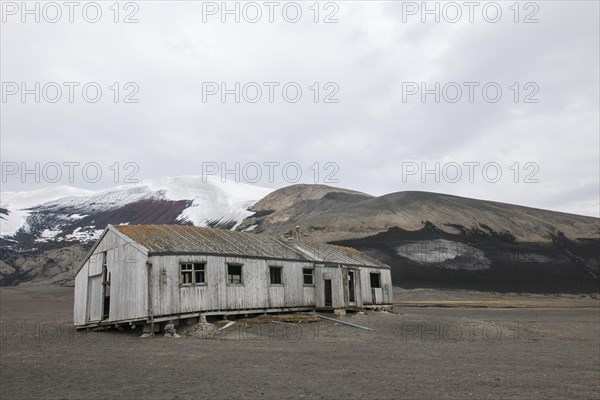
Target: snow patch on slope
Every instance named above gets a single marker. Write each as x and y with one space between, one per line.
213 200
84 235
48 234
444 253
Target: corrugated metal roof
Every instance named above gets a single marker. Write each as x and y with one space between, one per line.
174 239
191 239
331 254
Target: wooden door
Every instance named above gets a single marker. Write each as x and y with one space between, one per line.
94 298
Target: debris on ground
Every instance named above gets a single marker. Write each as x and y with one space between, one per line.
204 329
200 329
170 330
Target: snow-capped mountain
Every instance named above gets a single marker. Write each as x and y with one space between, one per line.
64 214
428 239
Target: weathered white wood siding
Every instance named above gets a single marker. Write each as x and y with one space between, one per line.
255 292
94 303
80 296
386 285
126 263
129 278
92 310
337 289
383 295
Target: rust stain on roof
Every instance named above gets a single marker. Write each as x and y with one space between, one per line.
192 239
338 255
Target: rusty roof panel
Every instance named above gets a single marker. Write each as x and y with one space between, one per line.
192 239
328 253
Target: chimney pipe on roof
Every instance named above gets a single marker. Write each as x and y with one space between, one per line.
297 233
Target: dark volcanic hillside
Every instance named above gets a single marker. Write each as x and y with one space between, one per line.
438 240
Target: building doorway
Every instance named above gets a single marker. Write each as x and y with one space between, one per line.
351 289
328 293
105 288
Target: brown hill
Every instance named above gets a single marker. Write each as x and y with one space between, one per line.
327 213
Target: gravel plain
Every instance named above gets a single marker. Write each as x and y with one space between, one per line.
412 353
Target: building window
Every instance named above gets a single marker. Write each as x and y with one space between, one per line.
275 274
375 280
234 274
308 276
192 273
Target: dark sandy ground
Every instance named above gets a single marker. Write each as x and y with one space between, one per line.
470 298
417 352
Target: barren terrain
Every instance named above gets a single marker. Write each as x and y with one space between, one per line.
417 352
328 214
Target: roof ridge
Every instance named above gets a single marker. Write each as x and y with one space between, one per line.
190 239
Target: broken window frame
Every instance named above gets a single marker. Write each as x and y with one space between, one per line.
280 275
311 275
377 282
193 269
230 281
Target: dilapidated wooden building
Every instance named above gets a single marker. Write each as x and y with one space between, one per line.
137 274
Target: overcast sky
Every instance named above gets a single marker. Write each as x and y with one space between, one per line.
374 61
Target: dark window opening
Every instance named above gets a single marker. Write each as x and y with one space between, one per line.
375 280
308 275
234 274
192 273
275 274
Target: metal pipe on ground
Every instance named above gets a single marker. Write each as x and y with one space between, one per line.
344 323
